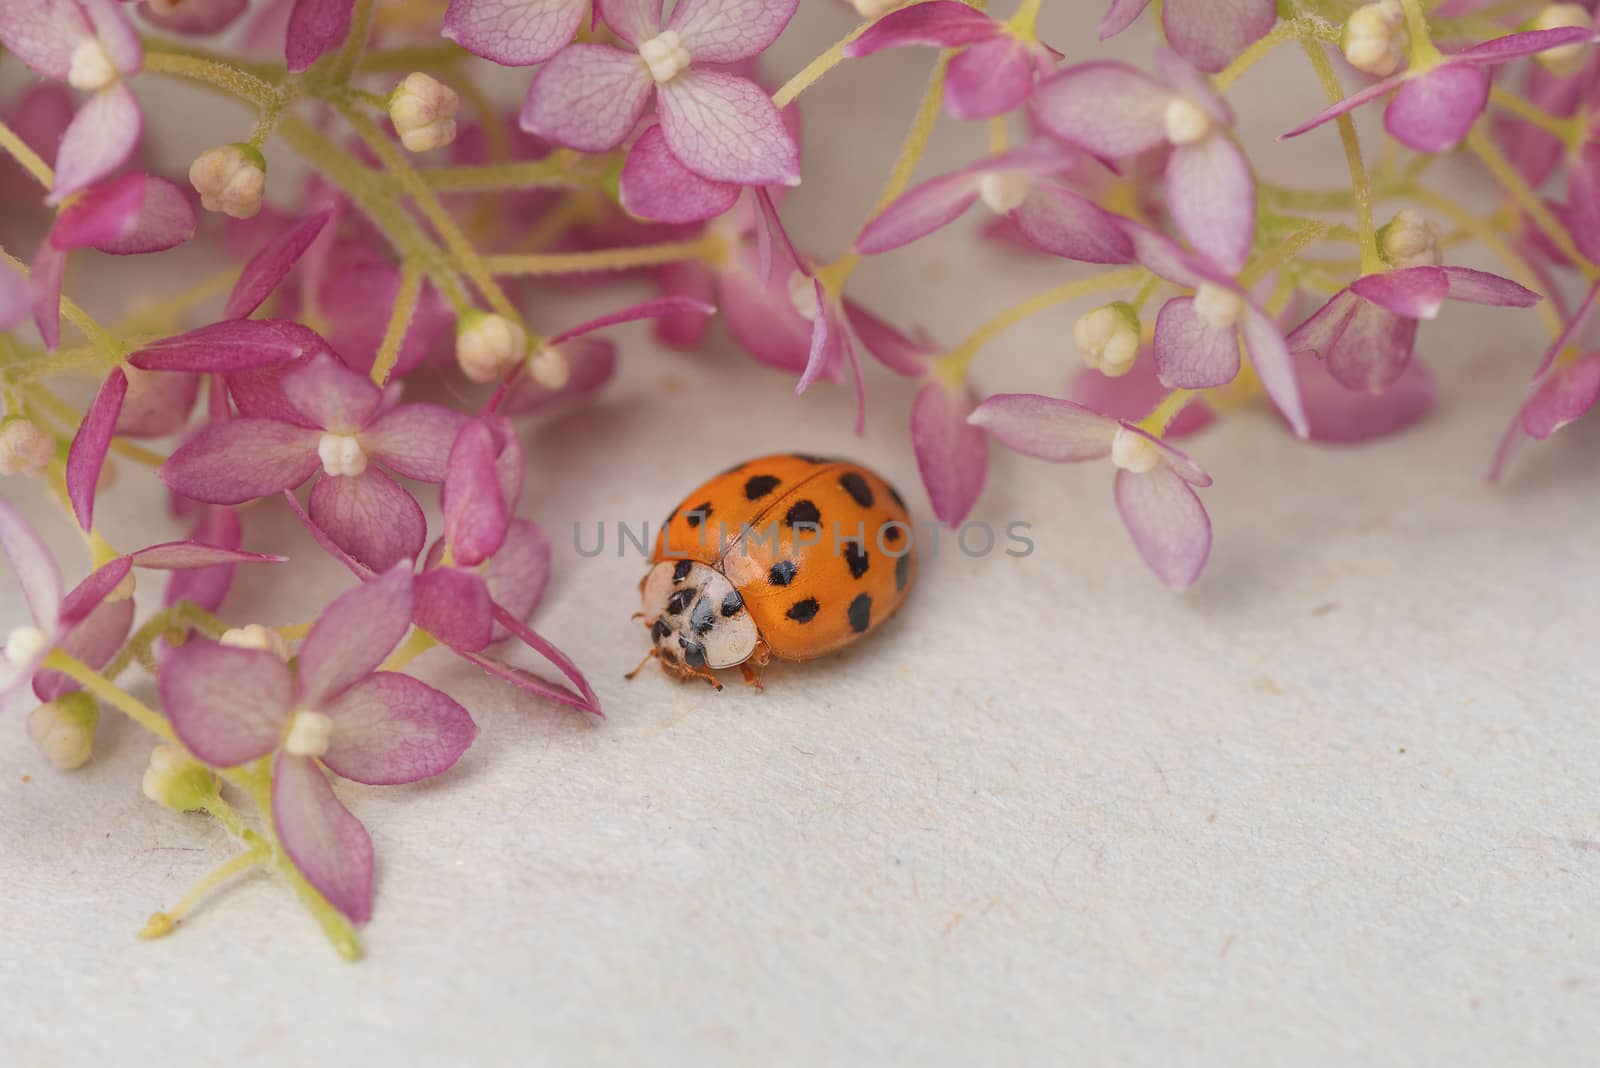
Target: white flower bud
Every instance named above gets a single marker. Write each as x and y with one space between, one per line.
177 780
341 454
63 729
1003 193
871 9
1409 240
1375 38
1218 305
1134 452
308 734
24 644
1565 60
1108 338
230 179
665 56
423 110
548 368
488 345
255 636
90 67
803 295
24 448
1186 122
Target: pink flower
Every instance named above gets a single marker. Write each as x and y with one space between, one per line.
1154 485
90 45
334 711
199 18
718 125
1117 112
1563 397
1208 33
1433 107
952 453
514 33
314 27
992 74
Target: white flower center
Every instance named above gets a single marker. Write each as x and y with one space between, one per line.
1106 340
803 295
91 67
341 454
308 734
1186 122
1565 60
24 643
1217 305
665 56
255 636
1003 193
1375 38
1134 452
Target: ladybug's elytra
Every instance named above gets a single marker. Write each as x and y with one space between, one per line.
788 556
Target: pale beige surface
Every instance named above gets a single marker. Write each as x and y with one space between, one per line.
1334 806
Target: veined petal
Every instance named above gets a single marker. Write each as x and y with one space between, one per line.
86 596
1211 33
1432 113
1050 428
1183 78
269 266
1059 221
230 346
990 78
370 517
133 213
1364 346
331 395
1269 355
516 575
725 128
1169 525
635 21
1212 197
89 445
157 404
939 24
587 97
93 639
1516 45
1164 257
43 34
1120 15
920 211
99 139
33 565
694 281
726 31
356 299
513 33
353 635
476 510
655 186
1190 352
952 454
240 460
1108 108
227 705
329 846
1414 292
452 604
389 729
413 439
315 26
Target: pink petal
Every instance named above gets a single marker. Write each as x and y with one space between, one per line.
240 460
390 729
331 395
648 309
208 586
357 299
269 266
1050 428
86 596
762 317
1165 258
1211 33
920 211
655 186
527 636
1269 355
591 362
1108 108
516 575
1120 15
370 517
1342 416
588 97
952 454
355 567
476 510
44 289
1059 221
1183 78
130 214
1434 112
329 846
1364 345
1481 287
33 565
990 78
529 682
186 555
413 439
827 346
94 639
1190 352
353 635
1567 395
196 17
228 705
157 403
1169 525
100 139
1516 45
1135 395
1414 292
1212 197
452 604
691 279
43 34
910 356
635 21
1575 322
725 128
939 24
116 34
89 445
1583 200
1345 106
726 31
513 33
229 346
315 26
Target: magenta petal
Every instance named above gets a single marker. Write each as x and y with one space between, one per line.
1567 395
952 455
1516 45
1059 221
827 346
1481 287
938 24
329 845
1269 355
1183 78
762 317
1190 352
475 508
635 21
355 567
527 636
1341 416
228 705
208 586
692 280
353 635
157 403
1414 292
44 289
452 604
370 517
655 186
647 309
1434 112
1164 257
1169 525
1108 108
1211 33
587 97
726 31
1364 346
83 598
89 445
1120 15
1580 316
725 128
315 26
413 439
528 682
516 575
1345 106
93 639
920 211
241 460
33 565
1050 428
100 139
1212 197
330 395
269 266
43 33
356 299
990 78
1582 216
390 729
228 346
514 33
910 356
184 555
124 216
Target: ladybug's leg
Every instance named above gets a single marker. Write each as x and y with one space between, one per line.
630 676
700 673
750 676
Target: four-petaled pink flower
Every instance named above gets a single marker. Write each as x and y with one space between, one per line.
718 125
514 33
1208 33
1155 482
336 711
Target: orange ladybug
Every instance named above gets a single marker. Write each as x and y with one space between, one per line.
788 556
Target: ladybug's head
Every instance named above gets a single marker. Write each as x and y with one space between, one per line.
697 619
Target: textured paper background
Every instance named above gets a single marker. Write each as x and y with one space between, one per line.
1334 806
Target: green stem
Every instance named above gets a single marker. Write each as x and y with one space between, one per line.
355 43
552 171
109 692
1370 260
394 335
230 79
954 364
611 259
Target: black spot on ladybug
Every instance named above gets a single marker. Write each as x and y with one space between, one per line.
698 514
660 630
902 572
781 573
856 557
758 486
804 611
694 654
810 458
679 601
802 512
732 604
681 572
858 489
861 613
669 656
704 617
892 533
901 501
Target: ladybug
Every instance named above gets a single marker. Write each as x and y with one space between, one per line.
789 556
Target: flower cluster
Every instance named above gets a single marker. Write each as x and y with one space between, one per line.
648 143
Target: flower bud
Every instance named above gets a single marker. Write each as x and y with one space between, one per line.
63 729
1409 240
24 448
255 636
230 179
548 368
177 780
1108 338
1375 38
1564 60
1132 451
423 110
488 345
